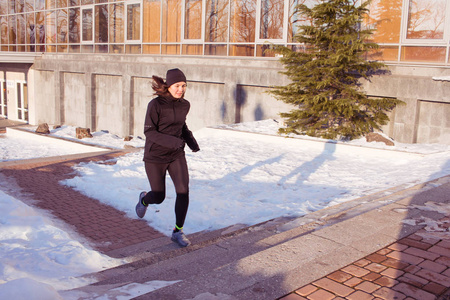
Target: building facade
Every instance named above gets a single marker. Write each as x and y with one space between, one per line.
89 63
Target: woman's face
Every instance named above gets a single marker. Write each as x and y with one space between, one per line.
177 89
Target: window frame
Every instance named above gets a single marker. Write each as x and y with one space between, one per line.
141 27
22 112
82 8
258 39
3 99
405 41
183 38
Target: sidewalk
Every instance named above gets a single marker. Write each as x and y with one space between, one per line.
8 123
415 267
389 247
103 227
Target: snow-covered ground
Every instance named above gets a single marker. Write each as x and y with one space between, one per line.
244 174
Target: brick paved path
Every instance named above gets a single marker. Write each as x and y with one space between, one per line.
416 267
104 227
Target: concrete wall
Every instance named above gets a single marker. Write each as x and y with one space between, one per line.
74 100
433 127
109 104
426 116
111 92
47 105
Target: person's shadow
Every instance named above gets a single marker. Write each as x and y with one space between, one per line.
305 170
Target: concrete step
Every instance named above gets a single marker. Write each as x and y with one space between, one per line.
269 260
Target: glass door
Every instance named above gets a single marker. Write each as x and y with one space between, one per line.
22 101
3 104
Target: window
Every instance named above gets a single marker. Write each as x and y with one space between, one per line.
40 30
30 32
62 30
74 25
242 28
425 37
242 22
426 19
21 29
3 30
271 19
50 27
12 6
385 18
49 4
87 24
152 25
101 23
116 23
12 29
40 4
3 7
61 3
133 22
216 21
406 30
20 4
216 27
171 22
29 5
193 20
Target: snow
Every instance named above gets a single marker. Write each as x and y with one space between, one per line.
441 78
244 174
37 255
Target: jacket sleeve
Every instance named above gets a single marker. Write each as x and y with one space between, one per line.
188 137
151 129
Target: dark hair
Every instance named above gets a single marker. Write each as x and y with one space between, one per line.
159 86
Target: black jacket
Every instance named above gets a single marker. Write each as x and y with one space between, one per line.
166 131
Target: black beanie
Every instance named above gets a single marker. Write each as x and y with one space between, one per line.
174 76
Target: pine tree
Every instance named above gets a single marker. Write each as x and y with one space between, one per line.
325 79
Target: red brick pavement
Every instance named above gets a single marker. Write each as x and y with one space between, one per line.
103 226
416 267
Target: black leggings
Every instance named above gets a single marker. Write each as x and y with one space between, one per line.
178 171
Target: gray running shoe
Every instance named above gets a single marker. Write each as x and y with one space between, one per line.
141 209
180 239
